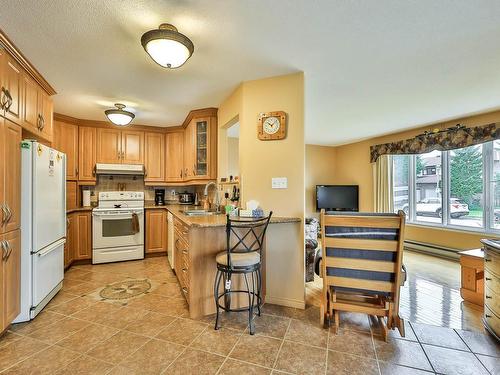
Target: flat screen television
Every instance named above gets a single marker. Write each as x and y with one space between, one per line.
337 197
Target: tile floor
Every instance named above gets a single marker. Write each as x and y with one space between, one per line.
145 330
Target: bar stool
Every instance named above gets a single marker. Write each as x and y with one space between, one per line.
244 241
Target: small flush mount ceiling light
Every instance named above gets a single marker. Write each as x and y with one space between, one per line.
119 116
167 47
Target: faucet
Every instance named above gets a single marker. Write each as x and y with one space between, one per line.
205 193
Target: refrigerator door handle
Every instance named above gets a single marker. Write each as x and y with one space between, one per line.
51 248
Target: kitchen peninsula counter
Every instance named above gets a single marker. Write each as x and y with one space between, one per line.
197 240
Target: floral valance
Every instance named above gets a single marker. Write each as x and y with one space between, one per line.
443 140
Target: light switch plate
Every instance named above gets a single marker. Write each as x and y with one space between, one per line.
279 183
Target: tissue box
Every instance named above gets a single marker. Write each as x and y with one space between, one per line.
252 213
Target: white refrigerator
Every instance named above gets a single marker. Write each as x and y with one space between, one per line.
43 226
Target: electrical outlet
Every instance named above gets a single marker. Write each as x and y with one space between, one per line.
279 182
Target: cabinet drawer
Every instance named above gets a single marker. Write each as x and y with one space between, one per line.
492 262
185 291
492 320
491 281
492 300
182 228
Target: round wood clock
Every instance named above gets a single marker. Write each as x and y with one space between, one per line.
271 126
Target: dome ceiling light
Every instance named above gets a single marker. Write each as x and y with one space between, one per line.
167 47
119 116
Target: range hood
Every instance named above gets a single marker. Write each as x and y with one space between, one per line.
128 169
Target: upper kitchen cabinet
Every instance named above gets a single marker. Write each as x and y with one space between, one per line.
154 157
87 140
37 109
11 87
66 140
174 161
200 145
117 146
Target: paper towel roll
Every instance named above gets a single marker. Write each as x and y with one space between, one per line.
86 198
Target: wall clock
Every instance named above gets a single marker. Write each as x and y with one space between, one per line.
271 126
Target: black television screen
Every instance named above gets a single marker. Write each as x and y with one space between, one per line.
337 197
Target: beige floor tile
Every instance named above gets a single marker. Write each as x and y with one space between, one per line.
8 337
172 306
59 330
393 333
492 364
354 321
347 364
85 365
402 352
218 342
85 339
150 324
19 350
147 301
259 350
480 343
182 331
237 321
102 313
44 362
104 277
121 370
307 333
168 289
43 319
288 312
301 359
117 347
450 361
84 288
387 368
194 361
269 325
60 298
69 284
352 342
75 273
440 336
128 315
72 306
154 357
234 367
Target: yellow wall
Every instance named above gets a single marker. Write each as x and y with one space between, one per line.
259 161
320 170
352 166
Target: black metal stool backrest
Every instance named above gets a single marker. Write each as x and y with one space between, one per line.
245 235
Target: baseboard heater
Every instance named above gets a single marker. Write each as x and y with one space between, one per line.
430 249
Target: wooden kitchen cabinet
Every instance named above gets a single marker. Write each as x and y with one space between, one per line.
87 140
154 157
66 140
69 246
71 195
156 231
108 146
10 175
81 234
10 276
117 146
189 146
11 81
174 162
38 111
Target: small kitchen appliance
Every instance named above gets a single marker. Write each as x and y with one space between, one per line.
186 198
159 197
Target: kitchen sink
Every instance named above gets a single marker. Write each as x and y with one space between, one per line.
199 213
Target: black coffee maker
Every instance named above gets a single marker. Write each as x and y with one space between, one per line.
159 197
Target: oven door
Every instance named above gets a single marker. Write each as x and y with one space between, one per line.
116 228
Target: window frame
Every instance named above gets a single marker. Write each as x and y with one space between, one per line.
487 199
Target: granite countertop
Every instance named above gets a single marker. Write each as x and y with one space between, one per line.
212 220
79 209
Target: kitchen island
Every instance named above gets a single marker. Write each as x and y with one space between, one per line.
197 240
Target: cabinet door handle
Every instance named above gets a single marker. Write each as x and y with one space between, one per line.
4 213
9 248
3 99
4 250
487 315
488 279
9 213
487 260
42 122
181 173
93 171
38 121
9 100
488 297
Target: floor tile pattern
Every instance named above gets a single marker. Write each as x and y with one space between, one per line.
150 332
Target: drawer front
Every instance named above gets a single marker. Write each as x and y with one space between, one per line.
492 300
492 320
491 281
492 262
182 229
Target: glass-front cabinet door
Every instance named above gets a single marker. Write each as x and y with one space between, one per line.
201 158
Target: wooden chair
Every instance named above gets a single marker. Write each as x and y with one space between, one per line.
362 266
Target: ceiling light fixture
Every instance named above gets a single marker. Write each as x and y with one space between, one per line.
167 47
119 116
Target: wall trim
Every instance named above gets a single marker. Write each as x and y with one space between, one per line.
288 302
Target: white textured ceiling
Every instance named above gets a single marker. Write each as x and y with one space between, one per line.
371 67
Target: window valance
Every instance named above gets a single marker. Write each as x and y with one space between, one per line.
452 138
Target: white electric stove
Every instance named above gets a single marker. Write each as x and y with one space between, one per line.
118 227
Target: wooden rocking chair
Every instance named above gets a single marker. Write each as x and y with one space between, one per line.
362 266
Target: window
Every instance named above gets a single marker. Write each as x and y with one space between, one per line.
458 188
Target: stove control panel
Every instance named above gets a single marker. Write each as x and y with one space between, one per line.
121 196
